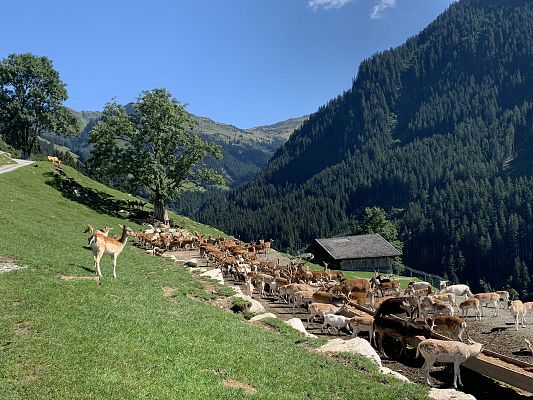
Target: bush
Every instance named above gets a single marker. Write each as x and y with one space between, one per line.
225 291
239 305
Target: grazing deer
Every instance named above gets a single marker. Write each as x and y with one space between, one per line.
102 244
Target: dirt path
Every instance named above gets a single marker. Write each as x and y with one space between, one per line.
12 167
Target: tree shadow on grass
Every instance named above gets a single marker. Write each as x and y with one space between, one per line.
99 201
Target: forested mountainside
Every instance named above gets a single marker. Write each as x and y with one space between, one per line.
438 131
245 150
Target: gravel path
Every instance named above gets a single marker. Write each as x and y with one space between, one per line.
12 167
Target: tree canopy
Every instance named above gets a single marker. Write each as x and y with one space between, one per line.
31 98
151 148
375 221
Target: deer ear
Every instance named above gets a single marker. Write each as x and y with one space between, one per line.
121 226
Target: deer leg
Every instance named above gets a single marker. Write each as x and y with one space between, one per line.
456 375
426 367
97 259
114 257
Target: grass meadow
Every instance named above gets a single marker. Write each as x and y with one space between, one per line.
125 339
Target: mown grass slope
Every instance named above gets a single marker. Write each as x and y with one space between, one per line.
124 339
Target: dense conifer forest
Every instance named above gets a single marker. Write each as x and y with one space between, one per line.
438 132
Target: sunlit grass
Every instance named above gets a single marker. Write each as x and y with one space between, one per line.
124 339
5 160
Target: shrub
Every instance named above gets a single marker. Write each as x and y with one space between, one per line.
239 305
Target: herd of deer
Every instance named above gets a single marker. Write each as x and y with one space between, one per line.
327 293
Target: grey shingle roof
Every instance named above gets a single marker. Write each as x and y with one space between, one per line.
360 246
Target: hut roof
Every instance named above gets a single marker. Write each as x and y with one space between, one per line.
360 246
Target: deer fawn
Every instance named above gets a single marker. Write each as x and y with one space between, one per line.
102 244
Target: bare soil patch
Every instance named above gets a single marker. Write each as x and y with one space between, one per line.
8 264
239 385
167 291
22 327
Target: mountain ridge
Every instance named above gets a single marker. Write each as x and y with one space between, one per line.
245 150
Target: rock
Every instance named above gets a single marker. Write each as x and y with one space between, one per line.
388 371
237 289
173 258
199 269
256 307
193 263
449 394
297 324
356 346
214 274
262 316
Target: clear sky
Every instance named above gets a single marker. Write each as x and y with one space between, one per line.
243 62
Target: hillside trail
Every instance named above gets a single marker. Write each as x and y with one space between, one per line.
12 167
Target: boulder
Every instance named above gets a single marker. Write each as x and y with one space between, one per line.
192 263
296 323
214 274
263 316
256 307
388 371
449 394
173 258
237 289
355 346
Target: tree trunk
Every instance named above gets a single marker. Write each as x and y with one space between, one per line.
160 211
25 153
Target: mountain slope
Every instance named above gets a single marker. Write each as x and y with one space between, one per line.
437 131
245 150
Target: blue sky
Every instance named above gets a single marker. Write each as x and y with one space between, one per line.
243 62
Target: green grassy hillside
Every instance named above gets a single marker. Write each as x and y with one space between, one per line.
5 160
123 339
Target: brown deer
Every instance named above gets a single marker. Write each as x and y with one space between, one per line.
90 230
102 244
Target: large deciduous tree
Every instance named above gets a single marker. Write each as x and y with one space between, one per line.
31 98
151 148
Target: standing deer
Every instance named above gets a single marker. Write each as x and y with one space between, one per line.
90 230
102 244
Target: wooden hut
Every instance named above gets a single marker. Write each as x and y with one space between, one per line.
362 252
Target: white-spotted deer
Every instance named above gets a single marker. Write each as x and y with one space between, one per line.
102 244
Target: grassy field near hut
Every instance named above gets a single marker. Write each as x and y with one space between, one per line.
128 338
